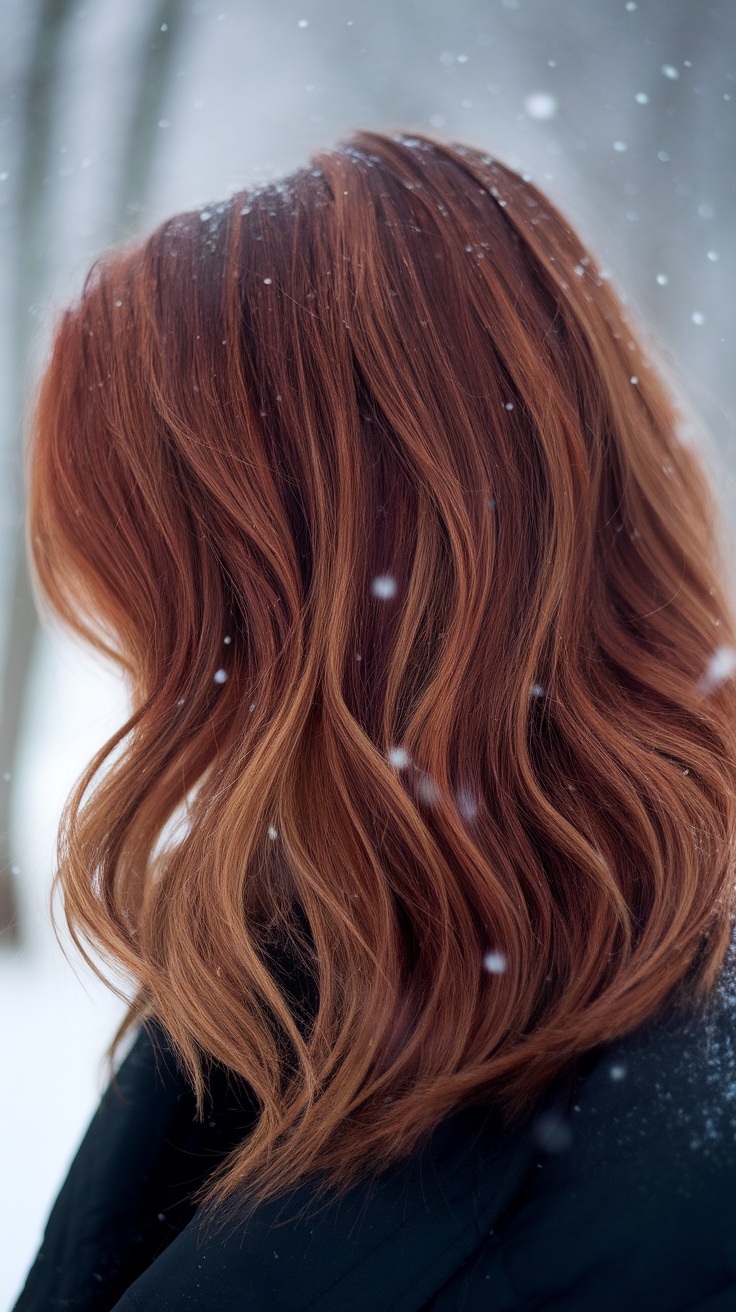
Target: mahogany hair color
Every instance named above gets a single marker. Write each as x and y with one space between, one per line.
365 482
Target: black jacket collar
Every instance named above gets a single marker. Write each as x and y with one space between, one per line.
391 1245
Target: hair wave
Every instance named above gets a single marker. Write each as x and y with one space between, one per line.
367 485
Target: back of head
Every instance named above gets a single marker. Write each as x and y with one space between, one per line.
364 480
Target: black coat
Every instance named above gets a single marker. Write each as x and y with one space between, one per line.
619 1195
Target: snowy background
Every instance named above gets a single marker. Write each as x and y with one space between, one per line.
115 115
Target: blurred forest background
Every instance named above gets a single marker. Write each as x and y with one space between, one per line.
116 115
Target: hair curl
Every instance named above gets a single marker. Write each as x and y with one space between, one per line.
366 484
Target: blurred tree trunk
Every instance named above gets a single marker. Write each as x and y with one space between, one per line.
40 91
152 76
35 129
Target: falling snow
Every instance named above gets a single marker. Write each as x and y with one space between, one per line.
428 790
540 105
384 586
467 804
552 1132
721 665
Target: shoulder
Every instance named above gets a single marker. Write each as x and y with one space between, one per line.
666 1095
634 1204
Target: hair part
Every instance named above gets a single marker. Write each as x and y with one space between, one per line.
366 484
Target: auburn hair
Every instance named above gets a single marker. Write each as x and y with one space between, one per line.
367 484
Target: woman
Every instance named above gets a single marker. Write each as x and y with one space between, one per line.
367 486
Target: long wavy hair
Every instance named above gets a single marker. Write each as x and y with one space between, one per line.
365 481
